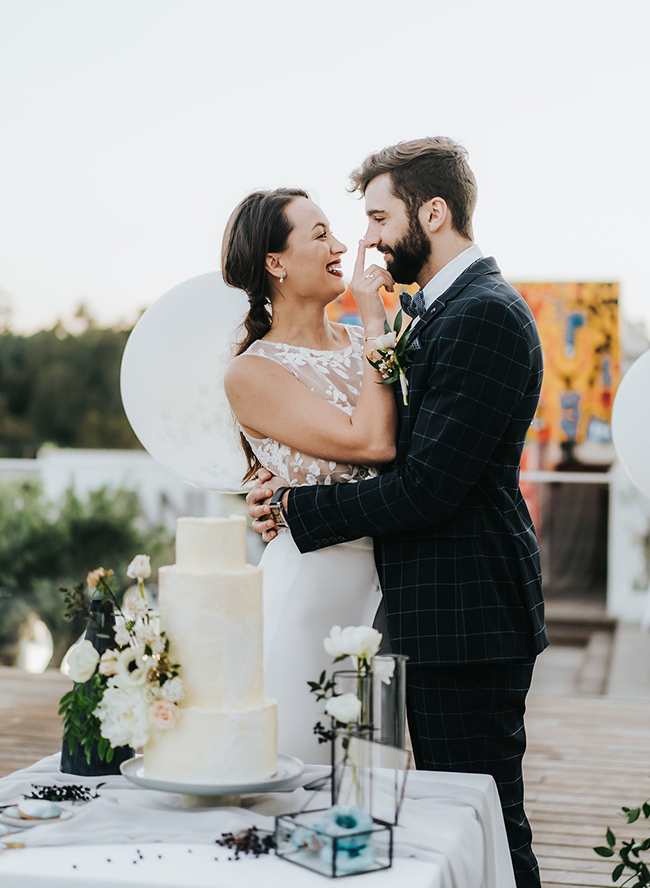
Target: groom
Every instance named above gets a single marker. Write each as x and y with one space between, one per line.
455 546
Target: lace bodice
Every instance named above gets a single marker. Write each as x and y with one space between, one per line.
336 377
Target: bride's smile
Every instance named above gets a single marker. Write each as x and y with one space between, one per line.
311 264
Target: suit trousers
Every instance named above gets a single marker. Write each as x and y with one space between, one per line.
471 718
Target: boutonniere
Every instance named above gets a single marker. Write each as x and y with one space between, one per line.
392 355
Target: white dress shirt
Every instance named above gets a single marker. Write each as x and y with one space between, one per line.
443 280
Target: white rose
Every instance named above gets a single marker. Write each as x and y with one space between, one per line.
173 690
354 641
124 715
108 662
133 604
383 668
346 708
82 661
387 340
140 568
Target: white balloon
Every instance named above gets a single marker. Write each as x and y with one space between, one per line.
172 381
631 423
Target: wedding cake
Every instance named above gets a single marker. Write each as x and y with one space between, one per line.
211 609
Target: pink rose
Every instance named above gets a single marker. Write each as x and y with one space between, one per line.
163 715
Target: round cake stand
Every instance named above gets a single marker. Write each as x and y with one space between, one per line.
215 795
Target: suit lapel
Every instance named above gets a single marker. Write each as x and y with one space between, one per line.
475 270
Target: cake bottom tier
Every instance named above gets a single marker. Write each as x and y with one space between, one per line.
211 746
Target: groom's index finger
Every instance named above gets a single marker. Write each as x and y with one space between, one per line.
360 262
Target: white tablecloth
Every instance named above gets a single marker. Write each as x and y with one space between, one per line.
451 835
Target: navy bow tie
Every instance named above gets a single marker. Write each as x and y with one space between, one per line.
413 306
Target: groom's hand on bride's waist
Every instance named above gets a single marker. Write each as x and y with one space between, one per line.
258 503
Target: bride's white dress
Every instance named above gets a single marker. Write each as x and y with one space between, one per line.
305 595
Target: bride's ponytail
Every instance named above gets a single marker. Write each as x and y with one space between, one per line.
258 226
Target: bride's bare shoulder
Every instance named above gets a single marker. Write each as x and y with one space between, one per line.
241 368
247 371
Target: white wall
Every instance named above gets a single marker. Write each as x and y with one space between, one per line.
628 581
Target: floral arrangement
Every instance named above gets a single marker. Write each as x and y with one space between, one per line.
133 687
392 355
361 643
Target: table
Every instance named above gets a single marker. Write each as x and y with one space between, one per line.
451 835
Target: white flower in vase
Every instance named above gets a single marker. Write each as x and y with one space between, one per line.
345 708
133 604
361 642
158 645
122 636
383 668
124 714
140 568
132 666
173 690
82 661
147 632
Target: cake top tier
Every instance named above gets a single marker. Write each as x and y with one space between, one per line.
205 544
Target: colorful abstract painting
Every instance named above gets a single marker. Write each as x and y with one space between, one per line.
578 326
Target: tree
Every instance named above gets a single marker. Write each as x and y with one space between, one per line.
62 387
43 547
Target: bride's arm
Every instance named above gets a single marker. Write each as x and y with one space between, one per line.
271 403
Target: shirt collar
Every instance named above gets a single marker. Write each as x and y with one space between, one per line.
443 280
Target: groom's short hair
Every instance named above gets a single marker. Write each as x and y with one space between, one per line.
422 169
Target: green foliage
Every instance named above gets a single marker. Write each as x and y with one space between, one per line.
79 721
392 362
51 384
629 852
324 686
43 547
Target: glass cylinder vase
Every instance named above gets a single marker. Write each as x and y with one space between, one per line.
352 768
348 681
389 699
367 775
351 780
100 632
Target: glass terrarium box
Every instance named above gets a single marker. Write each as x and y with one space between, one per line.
337 841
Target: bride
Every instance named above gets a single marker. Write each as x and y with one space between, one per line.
308 410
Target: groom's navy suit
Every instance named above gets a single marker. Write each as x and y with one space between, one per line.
455 546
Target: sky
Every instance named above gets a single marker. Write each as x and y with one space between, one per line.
129 130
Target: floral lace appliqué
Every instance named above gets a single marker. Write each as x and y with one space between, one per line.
336 377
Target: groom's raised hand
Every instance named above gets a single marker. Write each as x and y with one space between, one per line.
258 503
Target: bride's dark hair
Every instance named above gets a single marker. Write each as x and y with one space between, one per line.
258 226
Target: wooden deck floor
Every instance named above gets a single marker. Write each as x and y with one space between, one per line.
587 756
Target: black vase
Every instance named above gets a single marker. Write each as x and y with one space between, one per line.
100 631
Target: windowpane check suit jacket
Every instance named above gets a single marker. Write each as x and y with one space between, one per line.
455 546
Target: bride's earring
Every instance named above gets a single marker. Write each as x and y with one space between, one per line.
282 277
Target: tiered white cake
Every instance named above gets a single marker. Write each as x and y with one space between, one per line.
211 608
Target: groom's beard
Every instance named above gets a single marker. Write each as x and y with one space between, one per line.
409 255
